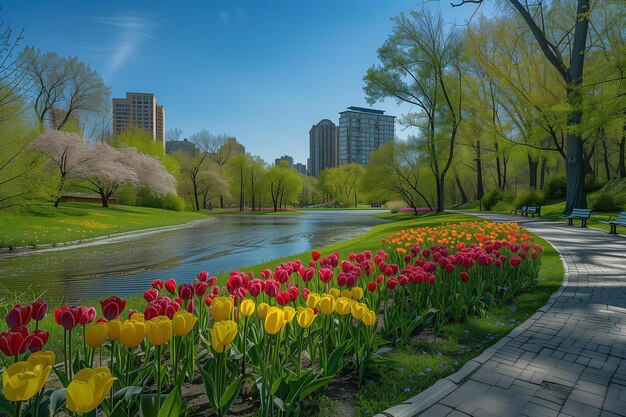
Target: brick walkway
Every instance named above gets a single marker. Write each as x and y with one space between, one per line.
569 359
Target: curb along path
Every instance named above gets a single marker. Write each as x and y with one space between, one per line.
567 360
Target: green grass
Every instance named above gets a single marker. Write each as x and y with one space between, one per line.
44 224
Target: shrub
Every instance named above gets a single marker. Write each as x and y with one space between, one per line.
608 202
491 198
529 198
591 183
146 198
502 206
126 195
395 206
555 187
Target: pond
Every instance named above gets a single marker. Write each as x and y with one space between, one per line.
128 265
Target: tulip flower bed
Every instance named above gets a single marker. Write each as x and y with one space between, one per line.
287 332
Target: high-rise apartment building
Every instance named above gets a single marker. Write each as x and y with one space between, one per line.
300 168
284 160
361 131
139 110
322 147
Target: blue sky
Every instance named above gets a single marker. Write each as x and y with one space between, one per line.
262 71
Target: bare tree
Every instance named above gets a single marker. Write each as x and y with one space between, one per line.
13 79
63 87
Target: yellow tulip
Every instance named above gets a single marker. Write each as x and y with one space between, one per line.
222 335
290 313
132 333
115 327
88 388
327 304
358 310
357 293
306 317
369 318
313 300
96 334
262 310
346 293
137 317
335 293
159 330
343 305
274 320
221 308
21 381
246 308
182 322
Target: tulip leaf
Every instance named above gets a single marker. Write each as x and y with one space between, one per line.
57 400
335 360
230 395
6 407
173 405
128 394
313 386
147 405
61 375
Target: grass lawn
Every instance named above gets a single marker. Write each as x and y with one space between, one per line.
43 224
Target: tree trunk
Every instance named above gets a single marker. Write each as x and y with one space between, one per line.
542 173
498 169
533 164
439 182
607 166
480 191
461 190
105 198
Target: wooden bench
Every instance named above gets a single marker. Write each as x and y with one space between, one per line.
620 221
581 214
519 210
532 210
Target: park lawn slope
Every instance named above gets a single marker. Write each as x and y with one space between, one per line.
40 225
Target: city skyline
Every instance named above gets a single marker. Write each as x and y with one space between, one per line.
232 68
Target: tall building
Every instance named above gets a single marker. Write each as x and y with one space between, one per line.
284 160
361 131
300 168
139 110
185 146
322 147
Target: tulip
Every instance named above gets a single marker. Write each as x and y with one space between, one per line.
358 310
132 333
274 320
222 335
170 286
19 316
313 300
157 284
335 293
96 334
186 291
290 313
88 389
346 293
112 307
159 330
38 339
115 328
221 308
262 310
315 255
150 295
464 276
137 317
21 381
369 318
246 308
283 298
87 315
203 276
327 304
200 288
306 317
183 322
343 305
14 342
40 308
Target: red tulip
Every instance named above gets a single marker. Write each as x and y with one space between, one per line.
306 274
37 341
371 286
464 276
241 292
19 315
157 284
315 255
178 301
170 286
14 342
200 288
151 312
533 255
326 274
266 273
283 298
449 268
131 312
271 288
40 308
294 293
255 287
86 315
515 261
67 317
112 307
102 320
150 295
208 300
171 309
392 283
203 276
190 307
186 291
212 281
305 293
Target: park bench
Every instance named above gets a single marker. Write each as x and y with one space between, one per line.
581 214
532 210
620 221
519 210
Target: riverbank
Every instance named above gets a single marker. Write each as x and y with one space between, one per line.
37 226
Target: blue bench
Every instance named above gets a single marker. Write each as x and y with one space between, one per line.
532 211
520 210
581 214
620 221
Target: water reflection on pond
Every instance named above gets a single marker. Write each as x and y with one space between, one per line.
218 245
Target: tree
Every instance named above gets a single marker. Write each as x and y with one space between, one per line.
572 38
13 79
421 66
64 88
284 186
67 153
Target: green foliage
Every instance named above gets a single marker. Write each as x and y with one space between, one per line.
608 202
146 198
529 198
555 187
141 140
126 195
491 198
592 183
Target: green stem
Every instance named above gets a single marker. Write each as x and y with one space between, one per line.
18 408
158 382
70 354
128 367
244 345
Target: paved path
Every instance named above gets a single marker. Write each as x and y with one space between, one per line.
569 359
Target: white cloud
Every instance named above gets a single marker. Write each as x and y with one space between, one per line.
224 17
128 33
